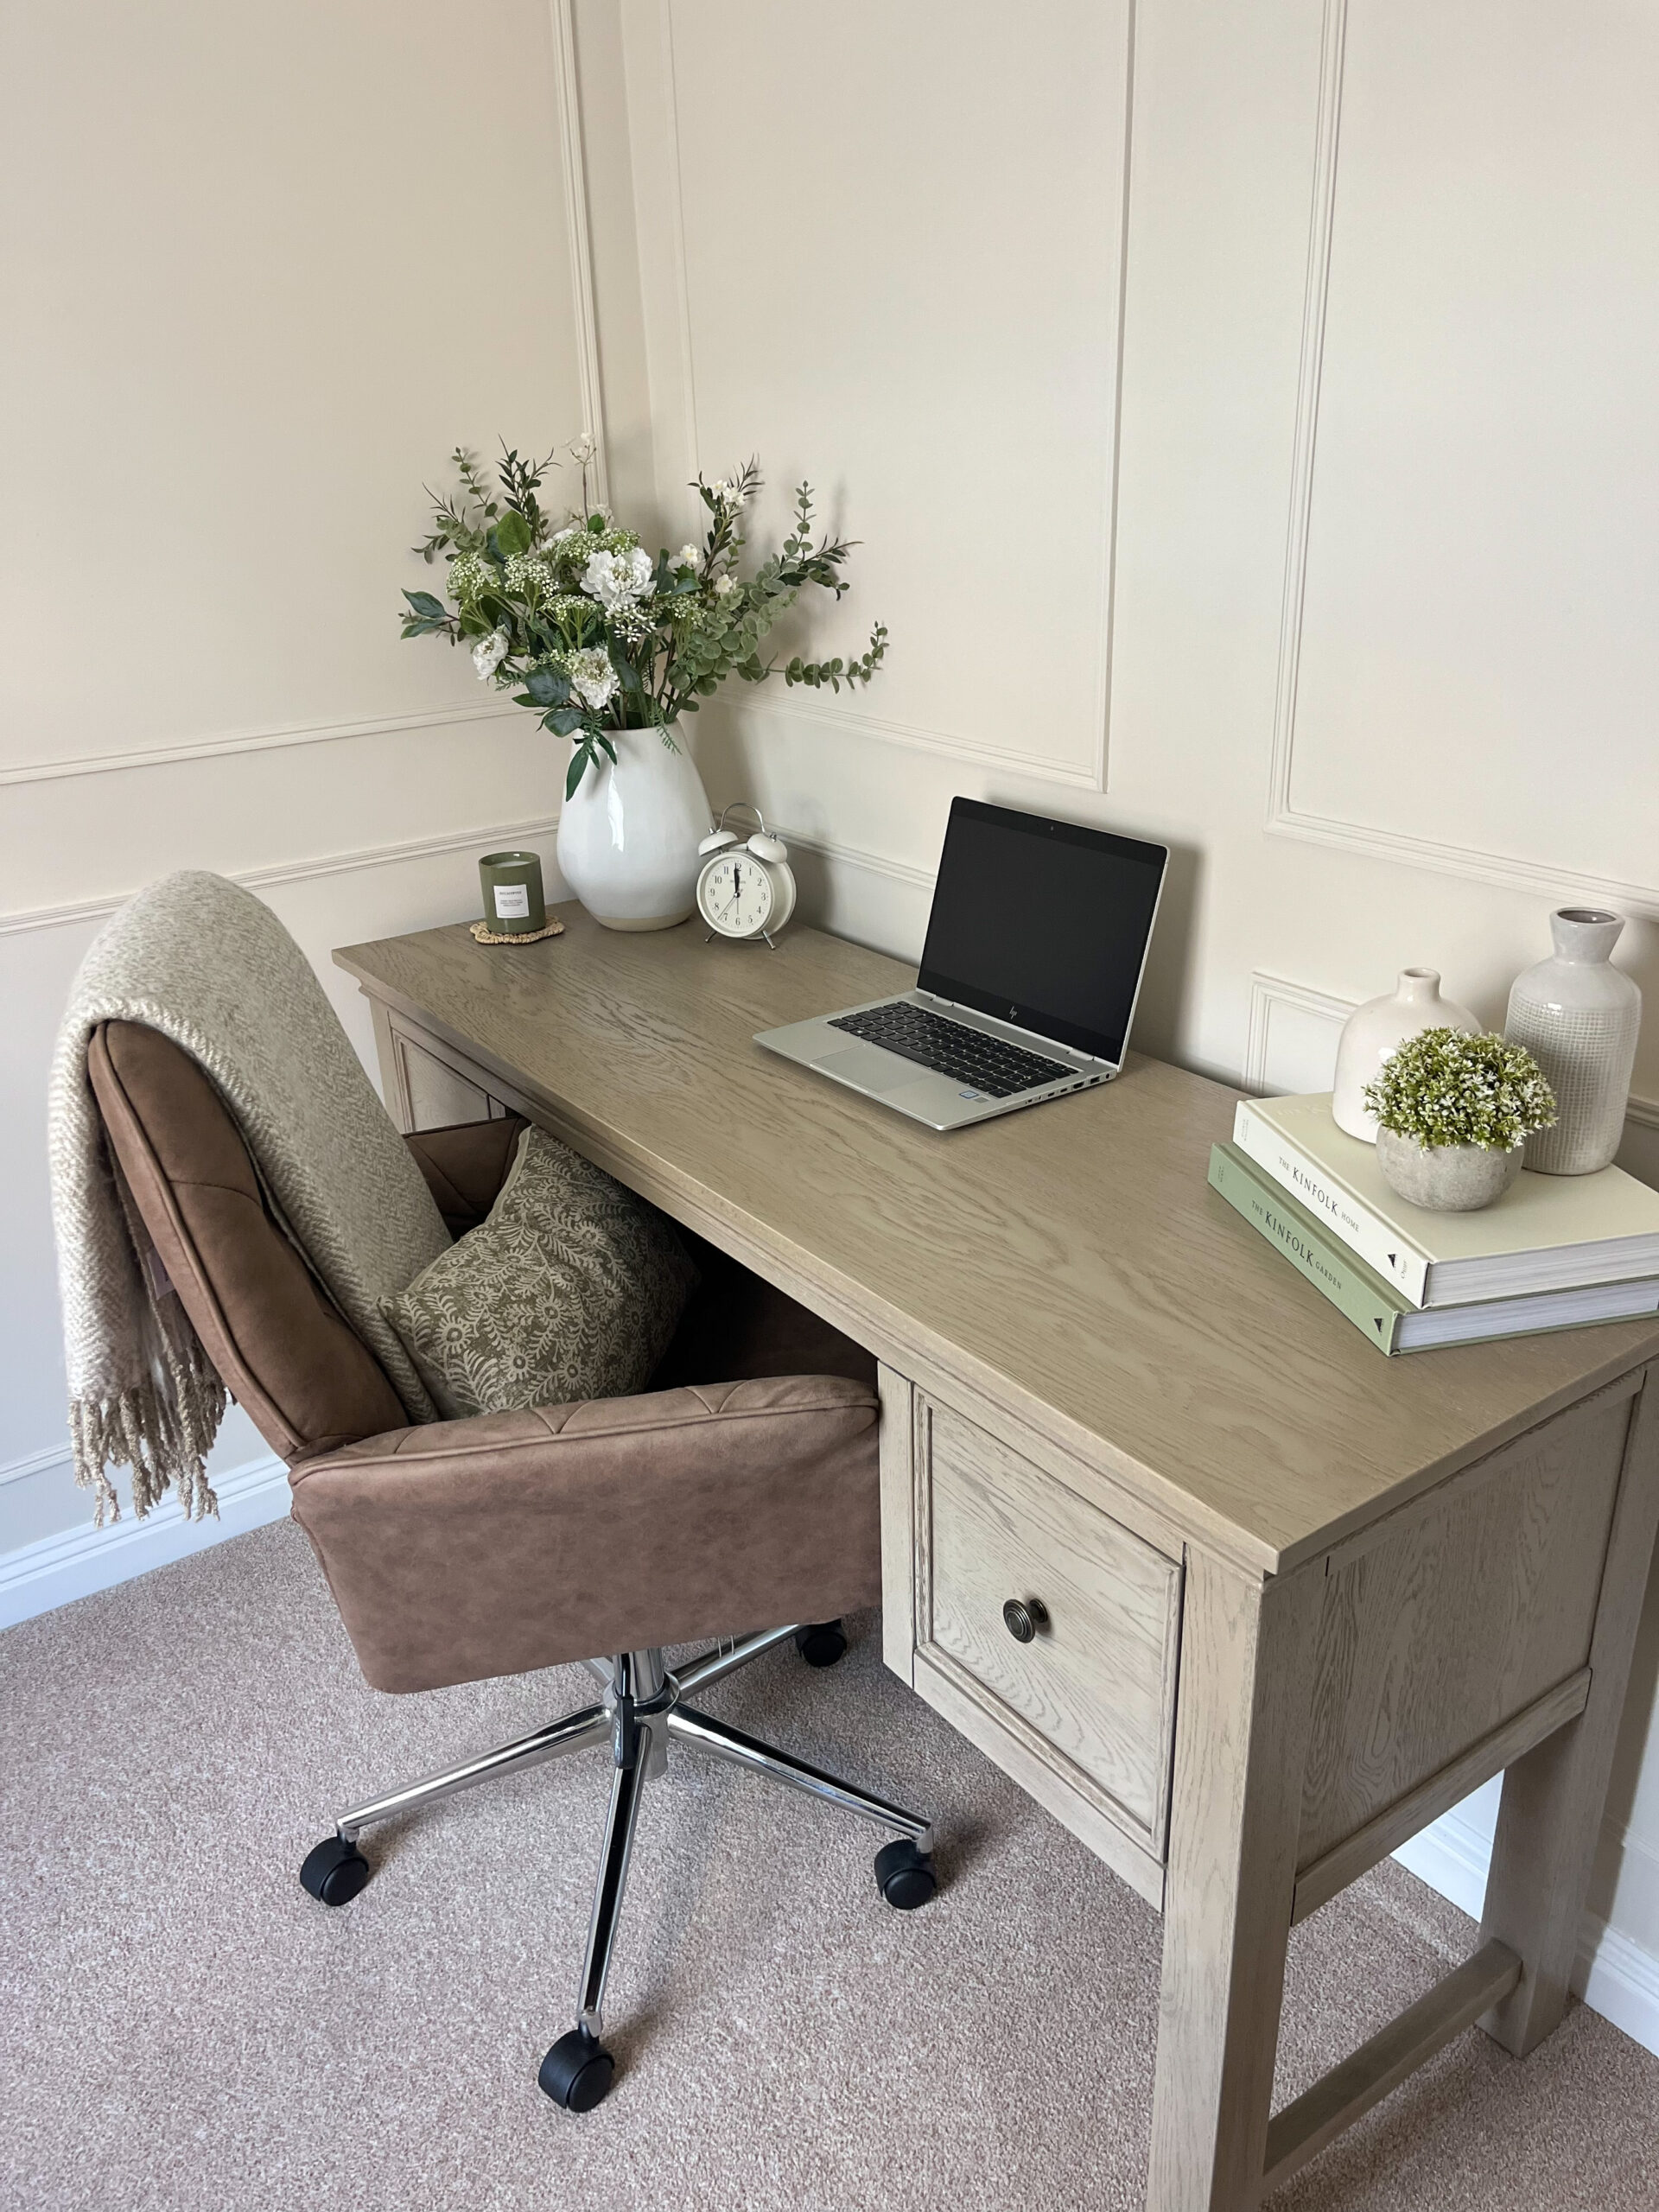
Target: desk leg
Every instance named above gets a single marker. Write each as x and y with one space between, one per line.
1242 1730
394 1084
1549 1821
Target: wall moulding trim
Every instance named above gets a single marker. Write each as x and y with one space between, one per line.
585 314
579 235
1285 818
256 740
671 374
1268 992
1559 886
918 879
33 1462
42 917
1040 767
256 879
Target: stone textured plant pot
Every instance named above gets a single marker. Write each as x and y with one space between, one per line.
1445 1178
1577 1015
1381 1027
628 835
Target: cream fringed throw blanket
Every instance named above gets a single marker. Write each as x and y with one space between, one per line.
213 968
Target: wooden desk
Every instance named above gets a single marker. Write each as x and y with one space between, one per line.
1300 1598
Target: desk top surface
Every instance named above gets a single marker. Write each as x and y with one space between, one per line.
1069 1262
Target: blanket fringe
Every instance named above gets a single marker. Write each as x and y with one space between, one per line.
161 1427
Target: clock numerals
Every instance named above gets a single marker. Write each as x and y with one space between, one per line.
737 896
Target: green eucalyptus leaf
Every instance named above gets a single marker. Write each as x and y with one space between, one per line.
563 719
423 603
512 534
548 687
577 769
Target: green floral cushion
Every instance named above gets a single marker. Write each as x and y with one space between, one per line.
571 1289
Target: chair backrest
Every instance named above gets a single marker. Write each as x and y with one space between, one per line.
303 1375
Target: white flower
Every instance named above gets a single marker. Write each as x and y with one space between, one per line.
686 558
489 653
592 677
725 586
617 580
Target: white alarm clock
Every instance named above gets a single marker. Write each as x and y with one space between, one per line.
746 887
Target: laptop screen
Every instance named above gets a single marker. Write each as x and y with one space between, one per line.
1042 923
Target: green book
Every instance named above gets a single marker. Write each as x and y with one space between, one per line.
1378 1311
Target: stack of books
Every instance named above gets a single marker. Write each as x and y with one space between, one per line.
1554 1252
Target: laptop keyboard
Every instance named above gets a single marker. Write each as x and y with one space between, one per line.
951 1048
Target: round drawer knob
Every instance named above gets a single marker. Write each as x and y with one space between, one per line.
1024 1616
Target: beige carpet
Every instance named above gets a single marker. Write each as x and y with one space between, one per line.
182 2027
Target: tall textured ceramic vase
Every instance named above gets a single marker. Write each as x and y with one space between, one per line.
1577 1015
1381 1027
628 835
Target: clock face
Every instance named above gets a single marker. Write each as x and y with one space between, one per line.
734 891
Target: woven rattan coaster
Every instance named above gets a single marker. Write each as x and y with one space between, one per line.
485 935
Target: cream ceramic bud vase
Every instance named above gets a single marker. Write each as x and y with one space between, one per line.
1381 1027
628 834
1577 1015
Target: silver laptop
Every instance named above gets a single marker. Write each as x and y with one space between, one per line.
1035 949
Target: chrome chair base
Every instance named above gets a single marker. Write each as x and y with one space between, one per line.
643 1713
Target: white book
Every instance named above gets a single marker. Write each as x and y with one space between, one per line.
1546 1232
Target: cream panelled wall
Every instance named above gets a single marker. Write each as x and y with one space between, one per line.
264 269
1246 412
1243 410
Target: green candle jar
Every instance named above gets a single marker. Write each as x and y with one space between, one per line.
513 903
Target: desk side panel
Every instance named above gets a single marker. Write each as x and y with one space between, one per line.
1460 1614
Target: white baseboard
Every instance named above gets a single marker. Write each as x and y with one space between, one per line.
37 1576
1615 1977
1452 1856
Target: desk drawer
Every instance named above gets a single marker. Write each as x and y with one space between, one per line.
1096 1683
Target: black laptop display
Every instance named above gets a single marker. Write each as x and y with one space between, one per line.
1042 923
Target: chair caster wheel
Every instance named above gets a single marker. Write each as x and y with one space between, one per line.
904 1875
577 2072
821 1643
335 1872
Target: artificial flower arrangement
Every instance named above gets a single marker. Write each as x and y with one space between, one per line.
1443 1087
595 634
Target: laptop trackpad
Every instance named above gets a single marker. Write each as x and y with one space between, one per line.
867 1067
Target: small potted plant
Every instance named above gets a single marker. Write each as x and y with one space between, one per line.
1453 1114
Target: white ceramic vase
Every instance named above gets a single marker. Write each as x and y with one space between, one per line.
1445 1178
1381 1027
1577 1015
628 835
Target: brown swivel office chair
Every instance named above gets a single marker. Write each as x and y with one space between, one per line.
492 1546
